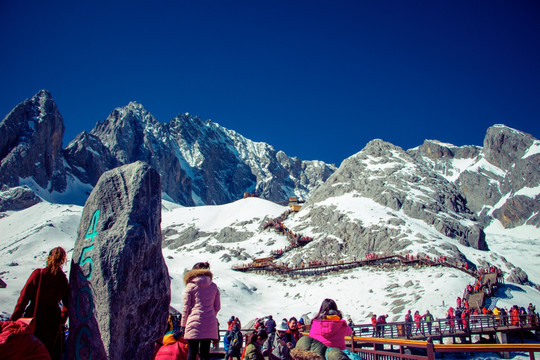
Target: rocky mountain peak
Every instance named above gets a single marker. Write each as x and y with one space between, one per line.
503 145
31 144
498 180
372 199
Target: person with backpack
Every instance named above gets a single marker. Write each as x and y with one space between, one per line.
327 333
428 318
254 344
42 293
279 343
236 341
381 324
270 325
408 323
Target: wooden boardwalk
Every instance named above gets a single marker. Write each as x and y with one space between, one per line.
270 266
462 330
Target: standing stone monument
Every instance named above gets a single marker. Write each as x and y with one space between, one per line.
120 286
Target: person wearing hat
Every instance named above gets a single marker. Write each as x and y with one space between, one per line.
301 325
280 343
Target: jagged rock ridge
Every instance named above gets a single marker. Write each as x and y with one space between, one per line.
31 144
376 202
199 161
500 180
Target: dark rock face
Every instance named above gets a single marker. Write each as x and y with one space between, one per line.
120 287
507 168
516 211
17 198
503 146
518 276
132 134
201 162
31 144
88 158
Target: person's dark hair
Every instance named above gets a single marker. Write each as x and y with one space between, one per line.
261 334
57 258
201 265
293 318
328 307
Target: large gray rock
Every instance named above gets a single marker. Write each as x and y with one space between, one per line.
518 276
31 144
120 287
503 146
17 198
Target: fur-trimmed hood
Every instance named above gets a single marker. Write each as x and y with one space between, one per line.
191 275
299 354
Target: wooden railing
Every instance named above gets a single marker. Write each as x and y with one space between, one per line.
395 349
476 324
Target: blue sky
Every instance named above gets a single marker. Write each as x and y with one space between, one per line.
316 79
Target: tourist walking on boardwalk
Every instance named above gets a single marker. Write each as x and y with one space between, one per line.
418 322
450 319
457 315
408 323
46 287
381 324
374 324
201 304
465 320
531 314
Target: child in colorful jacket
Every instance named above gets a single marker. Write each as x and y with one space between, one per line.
329 327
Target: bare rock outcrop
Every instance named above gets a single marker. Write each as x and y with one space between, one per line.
120 286
31 144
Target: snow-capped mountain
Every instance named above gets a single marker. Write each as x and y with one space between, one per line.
31 144
471 204
500 180
382 200
200 162
28 235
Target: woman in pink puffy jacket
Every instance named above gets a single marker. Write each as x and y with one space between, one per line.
199 316
329 327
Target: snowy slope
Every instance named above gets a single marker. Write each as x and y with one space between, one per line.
28 235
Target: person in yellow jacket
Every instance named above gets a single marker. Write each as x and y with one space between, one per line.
497 314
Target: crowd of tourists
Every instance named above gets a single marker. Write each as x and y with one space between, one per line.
190 336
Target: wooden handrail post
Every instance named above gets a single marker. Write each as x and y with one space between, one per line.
430 349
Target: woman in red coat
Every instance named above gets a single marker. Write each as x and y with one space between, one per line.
53 288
